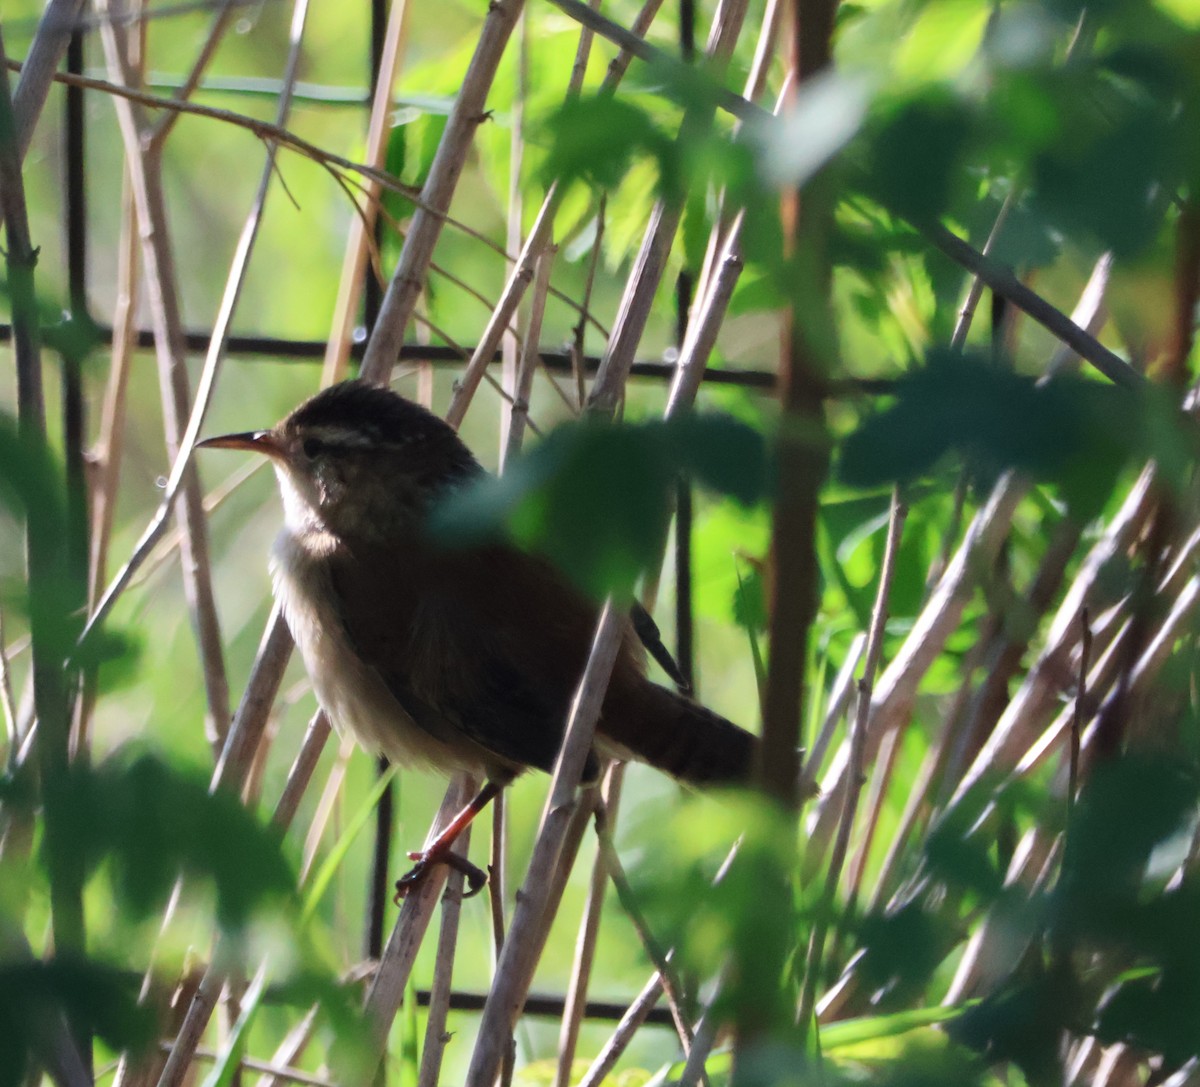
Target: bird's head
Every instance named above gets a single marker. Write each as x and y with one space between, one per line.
358 460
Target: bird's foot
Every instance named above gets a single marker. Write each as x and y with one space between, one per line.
426 859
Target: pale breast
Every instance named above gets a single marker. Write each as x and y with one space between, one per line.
350 691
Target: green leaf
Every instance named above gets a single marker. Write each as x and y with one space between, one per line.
870 1028
596 139
36 995
1075 433
319 884
916 154
151 822
595 497
228 1062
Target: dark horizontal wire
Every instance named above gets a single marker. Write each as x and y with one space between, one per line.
545 1005
314 350
542 1004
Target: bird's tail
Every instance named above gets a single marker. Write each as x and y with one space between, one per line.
680 737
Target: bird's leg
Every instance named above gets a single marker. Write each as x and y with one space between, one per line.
441 850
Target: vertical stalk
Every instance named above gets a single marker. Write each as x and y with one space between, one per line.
806 359
45 557
807 354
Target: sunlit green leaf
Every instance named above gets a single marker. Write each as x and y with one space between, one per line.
595 497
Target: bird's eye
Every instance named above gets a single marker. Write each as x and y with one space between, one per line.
312 447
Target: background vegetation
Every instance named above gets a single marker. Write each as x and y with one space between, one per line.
924 524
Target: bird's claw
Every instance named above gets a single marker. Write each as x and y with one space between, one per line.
426 859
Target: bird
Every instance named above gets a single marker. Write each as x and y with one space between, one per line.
448 657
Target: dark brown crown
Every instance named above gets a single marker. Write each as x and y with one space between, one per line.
358 415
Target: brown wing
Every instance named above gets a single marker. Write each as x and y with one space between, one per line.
483 647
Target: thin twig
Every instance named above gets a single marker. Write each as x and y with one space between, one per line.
650 264
518 415
383 348
661 957
522 945
358 241
1077 718
585 941
144 164
624 1033
391 978
443 968
57 24
223 12
879 614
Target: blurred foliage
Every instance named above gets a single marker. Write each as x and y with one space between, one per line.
34 996
596 497
1079 121
1075 433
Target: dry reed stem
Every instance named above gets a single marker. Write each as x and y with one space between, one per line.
939 618
612 1050
110 445
408 279
278 1070
315 737
108 452
504 311
1037 696
498 872
354 263
585 941
443 969
727 24
144 164
236 277
713 295
651 261
236 760
511 344
633 44
579 337
323 811
58 21
966 315
989 944
661 958
522 945
240 741
836 704
391 977
518 413
525 265
856 767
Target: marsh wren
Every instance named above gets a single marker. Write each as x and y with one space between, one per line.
456 659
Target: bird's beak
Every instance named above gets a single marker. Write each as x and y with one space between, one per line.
257 441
